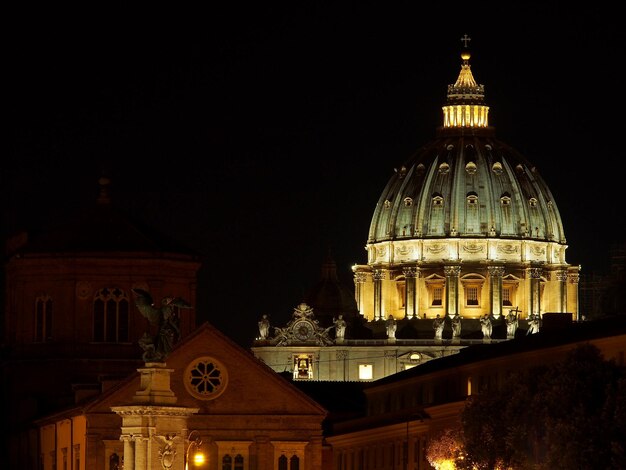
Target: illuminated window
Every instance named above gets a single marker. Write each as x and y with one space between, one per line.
437 201
43 318
366 371
437 296
506 296
110 316
408 202
471 295
532 202
303 367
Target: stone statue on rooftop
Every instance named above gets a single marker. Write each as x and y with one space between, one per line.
164 320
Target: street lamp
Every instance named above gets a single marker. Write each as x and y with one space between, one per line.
197 457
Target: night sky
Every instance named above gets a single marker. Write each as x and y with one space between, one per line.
262 137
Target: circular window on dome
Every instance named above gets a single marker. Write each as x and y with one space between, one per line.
206 378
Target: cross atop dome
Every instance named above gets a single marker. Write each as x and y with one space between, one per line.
465 39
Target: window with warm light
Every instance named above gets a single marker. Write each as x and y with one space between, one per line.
366 371
506 296
303 367
471 296
437 296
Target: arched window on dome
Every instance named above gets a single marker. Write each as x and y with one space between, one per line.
437 215
110 316
532 202
43 318
472 214
408 202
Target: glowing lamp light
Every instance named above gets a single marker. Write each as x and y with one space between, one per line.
199 458
193 447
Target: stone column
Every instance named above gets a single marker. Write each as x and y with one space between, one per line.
342 363
141 453
574 279
452 289
359 280
561 277
411 303
264 453
378 277
129 451
495 290
391 362
535 291
313 453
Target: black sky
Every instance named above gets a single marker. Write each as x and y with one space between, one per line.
262 137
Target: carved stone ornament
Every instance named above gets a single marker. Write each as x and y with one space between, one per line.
473 248
302 328
436 248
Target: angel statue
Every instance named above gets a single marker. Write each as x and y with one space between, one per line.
166 321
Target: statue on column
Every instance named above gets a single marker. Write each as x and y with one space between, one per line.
264 327
164 319
456 326
533 324
485 326
390 325
340 327
438 324
511 323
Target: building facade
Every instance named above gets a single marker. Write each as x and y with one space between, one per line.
466 244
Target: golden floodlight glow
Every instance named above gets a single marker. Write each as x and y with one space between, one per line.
198 458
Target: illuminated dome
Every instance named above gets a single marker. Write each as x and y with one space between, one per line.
462 226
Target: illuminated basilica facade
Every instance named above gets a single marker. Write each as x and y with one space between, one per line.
466 230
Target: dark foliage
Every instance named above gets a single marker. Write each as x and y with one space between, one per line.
571 414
